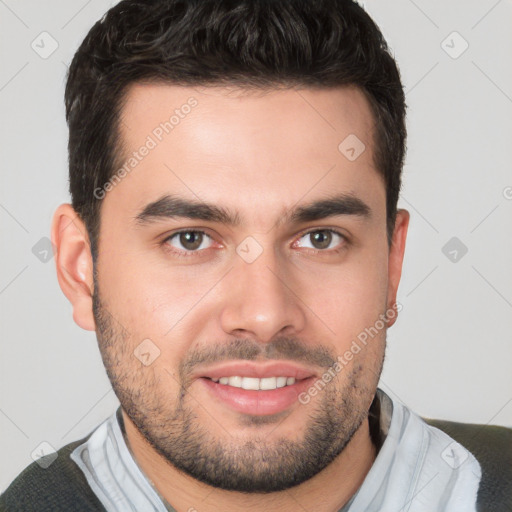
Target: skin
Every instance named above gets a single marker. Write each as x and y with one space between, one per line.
259 155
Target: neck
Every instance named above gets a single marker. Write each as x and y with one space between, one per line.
327 491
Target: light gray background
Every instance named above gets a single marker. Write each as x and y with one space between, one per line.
448 356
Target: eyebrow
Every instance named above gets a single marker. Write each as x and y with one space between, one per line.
172 207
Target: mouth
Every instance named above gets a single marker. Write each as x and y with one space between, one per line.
249 388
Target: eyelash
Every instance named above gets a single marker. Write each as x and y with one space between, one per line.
188 254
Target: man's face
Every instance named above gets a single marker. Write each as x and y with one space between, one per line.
260 284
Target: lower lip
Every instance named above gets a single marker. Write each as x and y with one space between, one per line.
258 403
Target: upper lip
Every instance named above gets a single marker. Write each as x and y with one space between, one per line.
251 369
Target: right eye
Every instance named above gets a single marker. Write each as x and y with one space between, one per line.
189 241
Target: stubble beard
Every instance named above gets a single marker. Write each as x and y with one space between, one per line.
257 465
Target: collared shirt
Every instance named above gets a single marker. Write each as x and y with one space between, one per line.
418 468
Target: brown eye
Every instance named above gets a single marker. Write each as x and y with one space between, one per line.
189 240
321 239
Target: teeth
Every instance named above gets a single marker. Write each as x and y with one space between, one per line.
268 383
281 382
253 383
234 381
250 383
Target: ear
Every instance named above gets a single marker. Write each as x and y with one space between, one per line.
396 258
74 263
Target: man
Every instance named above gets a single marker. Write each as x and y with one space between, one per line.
234 241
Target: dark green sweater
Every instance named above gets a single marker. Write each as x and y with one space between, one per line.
62 487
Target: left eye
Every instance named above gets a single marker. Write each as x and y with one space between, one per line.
190 240
321 239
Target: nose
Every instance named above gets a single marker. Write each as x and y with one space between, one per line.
260 300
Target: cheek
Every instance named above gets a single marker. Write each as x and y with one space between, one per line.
131 294
351 296
155 302
349 304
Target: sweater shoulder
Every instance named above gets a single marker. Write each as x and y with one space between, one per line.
491 445
51 484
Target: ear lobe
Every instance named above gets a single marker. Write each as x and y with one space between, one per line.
396 257
74 263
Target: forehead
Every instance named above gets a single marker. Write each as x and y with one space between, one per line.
246 147
314 113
